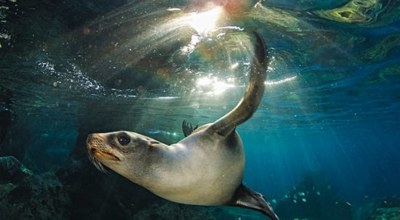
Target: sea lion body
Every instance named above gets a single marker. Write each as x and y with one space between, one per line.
184 172
196 157
204 168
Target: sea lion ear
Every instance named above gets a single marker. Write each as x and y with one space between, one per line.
245 197
154 143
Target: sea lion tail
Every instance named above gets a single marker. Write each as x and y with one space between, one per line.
253 94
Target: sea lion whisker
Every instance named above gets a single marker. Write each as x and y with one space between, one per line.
97 164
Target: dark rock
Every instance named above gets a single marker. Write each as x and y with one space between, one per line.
387 208
11 170
174 211
20 194
386 213
34 197
313 198
6 114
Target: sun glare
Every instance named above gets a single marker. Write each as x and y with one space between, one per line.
205 21
213 86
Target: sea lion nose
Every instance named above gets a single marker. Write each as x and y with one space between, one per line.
89 139
94 140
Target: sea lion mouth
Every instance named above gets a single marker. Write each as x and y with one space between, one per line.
98 151
105 155
96 156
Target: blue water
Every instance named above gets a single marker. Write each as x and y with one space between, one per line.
331 105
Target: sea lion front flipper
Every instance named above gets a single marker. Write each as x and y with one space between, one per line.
245 197
188 128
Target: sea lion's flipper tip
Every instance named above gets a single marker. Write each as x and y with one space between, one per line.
188 128
247 198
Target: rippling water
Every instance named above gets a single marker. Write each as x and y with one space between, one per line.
331 103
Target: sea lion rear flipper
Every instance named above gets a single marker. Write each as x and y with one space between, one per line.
188 128
245 197
252 96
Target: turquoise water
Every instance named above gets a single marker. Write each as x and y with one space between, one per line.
324 140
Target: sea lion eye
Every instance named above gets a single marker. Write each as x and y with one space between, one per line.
124 139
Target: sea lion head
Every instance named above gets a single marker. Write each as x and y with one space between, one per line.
128 153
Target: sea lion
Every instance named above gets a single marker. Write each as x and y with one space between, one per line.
204 168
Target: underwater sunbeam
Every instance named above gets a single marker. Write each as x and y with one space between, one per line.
205 21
